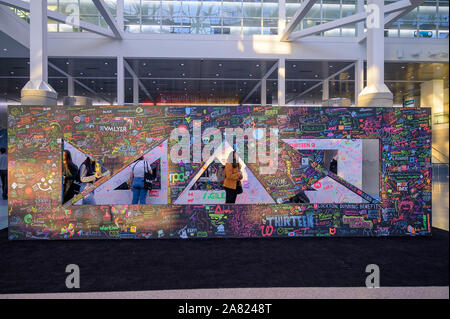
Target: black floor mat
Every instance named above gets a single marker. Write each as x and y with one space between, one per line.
133 265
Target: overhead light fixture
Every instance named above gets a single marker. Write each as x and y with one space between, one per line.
217 74
294 65
182 64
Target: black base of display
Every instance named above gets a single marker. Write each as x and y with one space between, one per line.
136 265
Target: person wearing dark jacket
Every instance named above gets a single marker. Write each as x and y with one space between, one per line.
88 176
70 177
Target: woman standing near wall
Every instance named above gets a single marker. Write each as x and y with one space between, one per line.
233 177
70 176
88 175
139 171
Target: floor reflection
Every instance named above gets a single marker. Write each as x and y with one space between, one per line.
440 196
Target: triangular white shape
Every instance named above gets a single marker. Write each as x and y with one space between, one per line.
253 191
106 194
349 168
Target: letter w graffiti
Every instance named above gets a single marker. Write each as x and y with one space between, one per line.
266 230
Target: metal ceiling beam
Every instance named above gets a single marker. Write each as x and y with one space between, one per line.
67 75
112 23
57 16
141 85
271 70
361 16
297 18
320 83
390 18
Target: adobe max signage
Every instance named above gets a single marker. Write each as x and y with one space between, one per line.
306 171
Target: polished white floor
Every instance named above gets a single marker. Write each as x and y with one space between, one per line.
257 293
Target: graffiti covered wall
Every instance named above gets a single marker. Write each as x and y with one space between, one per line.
187 201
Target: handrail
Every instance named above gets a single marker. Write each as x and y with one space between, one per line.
445 156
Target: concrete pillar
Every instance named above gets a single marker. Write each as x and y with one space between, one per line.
281 16
432 95
263 92
37 91
359 25
359 79
119 14
70 86
282 81
325 90
135 91
376 93
120 81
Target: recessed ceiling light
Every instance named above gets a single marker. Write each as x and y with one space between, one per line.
316 75
154 82
294 65
220 64
144 64
101 88
183 74
182 64
149 74
217 74
106 63
5 49
250 75
67 63
257 65
11 72
184 82
81 73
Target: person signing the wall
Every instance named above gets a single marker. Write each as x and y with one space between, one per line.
233 177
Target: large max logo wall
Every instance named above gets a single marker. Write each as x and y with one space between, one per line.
183 205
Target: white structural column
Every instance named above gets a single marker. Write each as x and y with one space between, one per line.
119 14
376 93
282 81
281 16
325 91
360 25
359 79
135 91
70 86
263 92
120 81
37 91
